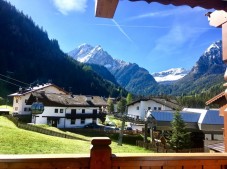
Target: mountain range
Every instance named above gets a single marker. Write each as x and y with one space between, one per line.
29 57
129 75
27 54
206 72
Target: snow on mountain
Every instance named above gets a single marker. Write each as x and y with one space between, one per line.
129 75
170 75
96 55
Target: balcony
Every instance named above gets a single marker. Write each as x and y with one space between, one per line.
101 158
84 115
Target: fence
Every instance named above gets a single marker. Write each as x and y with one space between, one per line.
158 147
101 157
40 130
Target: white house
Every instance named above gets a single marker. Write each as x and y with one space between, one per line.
68 111
140 107
20 98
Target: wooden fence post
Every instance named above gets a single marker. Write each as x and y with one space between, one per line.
100 154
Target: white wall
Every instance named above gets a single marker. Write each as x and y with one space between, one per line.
19 107
132 109
144 106
63 122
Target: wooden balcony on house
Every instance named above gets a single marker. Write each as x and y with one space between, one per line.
84 115
101 158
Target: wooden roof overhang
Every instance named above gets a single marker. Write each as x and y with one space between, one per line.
107 8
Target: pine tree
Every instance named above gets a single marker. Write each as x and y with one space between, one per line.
179 138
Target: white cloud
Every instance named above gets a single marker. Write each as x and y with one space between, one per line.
165 13
66 6
177 37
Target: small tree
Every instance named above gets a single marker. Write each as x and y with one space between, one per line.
121 105
129 98
179 138
110 105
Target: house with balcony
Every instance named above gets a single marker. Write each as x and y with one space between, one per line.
20 98
67 110
139 108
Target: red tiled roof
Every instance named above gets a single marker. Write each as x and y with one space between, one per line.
216 99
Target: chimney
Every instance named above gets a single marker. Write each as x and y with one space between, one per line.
89 98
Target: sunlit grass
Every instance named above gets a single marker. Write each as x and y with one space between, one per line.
17 141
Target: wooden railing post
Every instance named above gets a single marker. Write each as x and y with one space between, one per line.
100 154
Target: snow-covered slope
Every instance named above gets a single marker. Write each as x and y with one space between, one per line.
170 75
96 55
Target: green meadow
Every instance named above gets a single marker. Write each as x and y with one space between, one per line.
14 140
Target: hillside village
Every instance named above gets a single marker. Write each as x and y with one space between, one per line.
103 109
48 104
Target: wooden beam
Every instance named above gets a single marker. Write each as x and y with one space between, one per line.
224 43
217 18
105 8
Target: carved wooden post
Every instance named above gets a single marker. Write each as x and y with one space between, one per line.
100 154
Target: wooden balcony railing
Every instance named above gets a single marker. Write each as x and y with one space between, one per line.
101 158
85 115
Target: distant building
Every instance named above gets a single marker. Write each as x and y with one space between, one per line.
140 107
206 121
206 126
20 98
68 111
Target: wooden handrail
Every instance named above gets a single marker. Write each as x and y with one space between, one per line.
102 158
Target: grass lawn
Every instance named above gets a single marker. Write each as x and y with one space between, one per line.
17 141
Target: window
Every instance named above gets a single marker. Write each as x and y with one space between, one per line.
149 108
55 110
16 108
94 111
26 100
155 108
73 121
94 120
61 110
73 111
16 100
83 110
25 109
82 121
159 108
137 108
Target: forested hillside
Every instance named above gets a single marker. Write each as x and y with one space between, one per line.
27 54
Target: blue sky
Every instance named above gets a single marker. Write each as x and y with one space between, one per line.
156 37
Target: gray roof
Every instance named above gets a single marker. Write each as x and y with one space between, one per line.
35 89
53 99
219 147
168 116
212 117
207 121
